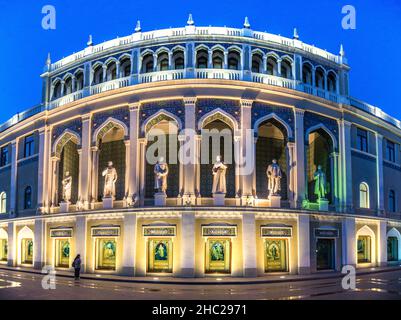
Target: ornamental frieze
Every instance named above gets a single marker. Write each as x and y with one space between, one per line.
273 232
74 125
106 231
219 230
159 231
121 114
61 233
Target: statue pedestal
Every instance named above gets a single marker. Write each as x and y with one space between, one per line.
65 206
108 203
275 201
219 199
160 199
323 204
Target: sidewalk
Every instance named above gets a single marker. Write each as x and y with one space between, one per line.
209 280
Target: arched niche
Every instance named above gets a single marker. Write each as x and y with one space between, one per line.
365 246
25 241
393 245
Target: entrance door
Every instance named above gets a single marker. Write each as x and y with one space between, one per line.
160 255
276 255
62 253
325 254
106 252
218 256
392 249
26 251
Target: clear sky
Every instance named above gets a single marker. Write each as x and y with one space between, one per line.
373 49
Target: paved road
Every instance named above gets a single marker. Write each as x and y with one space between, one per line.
20 285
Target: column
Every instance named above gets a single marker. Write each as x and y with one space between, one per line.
303 244
104 73
95 170
85 162
43 164
300 157
80 239
187 245
181 167
379 174
291 176
225 66
39 244
118 75
247 157
335 177
129 245
155 62
264 64
279 67
345 166
210 59
349 242
142 168
12 245
13 183
133 151
127 172
382 243
198 142
54 188
249 244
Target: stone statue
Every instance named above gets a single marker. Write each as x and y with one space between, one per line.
67 186
110 178
274 178
161 174
320 183
219 176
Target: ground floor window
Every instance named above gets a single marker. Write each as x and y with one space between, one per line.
62 251
160 255
275 252
325 254
392 249
218 256
364 249
106 253
3 249
27 251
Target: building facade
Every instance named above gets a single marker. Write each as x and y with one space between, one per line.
275 97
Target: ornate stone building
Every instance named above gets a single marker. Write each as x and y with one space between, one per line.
338 202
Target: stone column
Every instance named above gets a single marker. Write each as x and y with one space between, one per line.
127 171
300 157
95 170
303 244
336 178
291 176
379 174
12 245
142 168
279 67
264 64
133 151
155 62
129 245
80 239
382 243
104 73
345 166
198 142
225 66
39 244
189 154
85 161
249 245
210 59
43 165
187 245
349 242
13 182
247 158
54 186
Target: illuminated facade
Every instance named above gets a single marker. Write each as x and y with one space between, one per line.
104 104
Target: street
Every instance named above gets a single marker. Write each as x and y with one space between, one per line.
21 285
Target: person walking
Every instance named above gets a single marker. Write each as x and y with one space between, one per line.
77 266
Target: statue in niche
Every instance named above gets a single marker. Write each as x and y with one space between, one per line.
110 178
320 183
67 186
274 178
161 174
219 176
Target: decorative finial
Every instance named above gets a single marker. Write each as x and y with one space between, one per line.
246 23
138 26
90 41
190 21
296 35
48 60
342 52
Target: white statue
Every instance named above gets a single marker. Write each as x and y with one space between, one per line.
274 178
110 178
161 174
67 186
219 176
321 188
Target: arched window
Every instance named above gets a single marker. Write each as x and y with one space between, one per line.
272 66
28 198
98 74
3 202
364 196
391 201
307 74
67 86
233 60
125 68
57 90
79 81
163 61
147 63
286 69
319 78
201 59
257 62
111 73
331 82
217 59
178 59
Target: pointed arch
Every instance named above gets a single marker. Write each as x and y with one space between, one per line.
367 231
393 232
324 128
278 119
3 234
24 233
162 50
218 114
159 116
146 52
62 140
108 125
110 60
178 47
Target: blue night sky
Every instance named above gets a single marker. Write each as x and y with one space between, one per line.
373 49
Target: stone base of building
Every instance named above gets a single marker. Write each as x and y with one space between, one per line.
250 273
